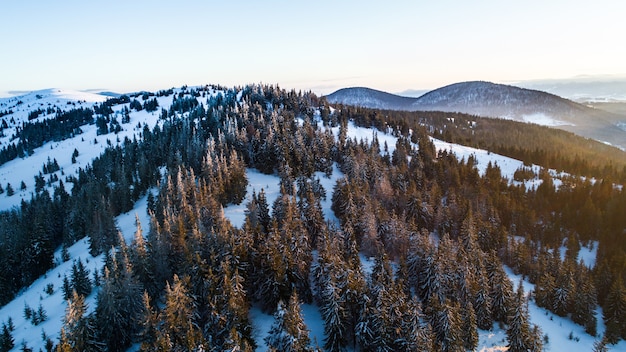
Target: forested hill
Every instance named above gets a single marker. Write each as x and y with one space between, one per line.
497 100
440 233
531 143
370 98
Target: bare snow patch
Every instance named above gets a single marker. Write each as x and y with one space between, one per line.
545 120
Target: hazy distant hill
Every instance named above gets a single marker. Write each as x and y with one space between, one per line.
370 98
498 100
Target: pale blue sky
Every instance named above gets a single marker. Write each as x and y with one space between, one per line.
320 45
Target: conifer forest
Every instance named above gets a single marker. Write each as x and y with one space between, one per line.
439 235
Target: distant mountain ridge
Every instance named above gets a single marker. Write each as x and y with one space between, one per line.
370 98
497 100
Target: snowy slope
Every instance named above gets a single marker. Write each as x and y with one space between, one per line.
54 304
558 329
54 98
18 170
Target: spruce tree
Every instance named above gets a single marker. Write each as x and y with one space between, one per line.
178 317
615 312
6 339
521 336
446 323
469 330
334 317
78 331
288 332
80 279
600 345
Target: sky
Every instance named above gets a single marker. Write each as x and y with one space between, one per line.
126 46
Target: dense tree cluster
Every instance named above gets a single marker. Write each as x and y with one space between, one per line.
437 232
32 135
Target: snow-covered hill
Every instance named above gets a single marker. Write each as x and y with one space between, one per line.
88 144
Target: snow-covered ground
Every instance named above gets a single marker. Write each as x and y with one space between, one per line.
559 329
539 119
586 254
545 120
256 181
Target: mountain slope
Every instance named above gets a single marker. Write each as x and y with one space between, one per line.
502 101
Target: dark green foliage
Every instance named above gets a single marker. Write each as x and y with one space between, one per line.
10 191
80 279
7 342
615 312
78 332
151 105
119 304
135 104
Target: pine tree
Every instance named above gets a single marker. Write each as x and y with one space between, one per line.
482 301
584 305
119 303
544 289
66 288
149 321
469 327
501 290
446 324
600 345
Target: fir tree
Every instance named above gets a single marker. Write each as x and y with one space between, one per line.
119 304
600 345
446 324
468 327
